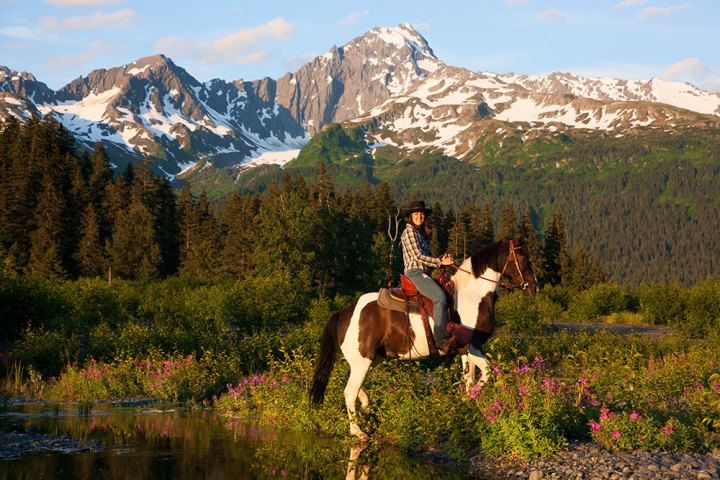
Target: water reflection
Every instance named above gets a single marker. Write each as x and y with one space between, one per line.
140 443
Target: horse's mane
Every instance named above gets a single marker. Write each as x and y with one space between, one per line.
486 257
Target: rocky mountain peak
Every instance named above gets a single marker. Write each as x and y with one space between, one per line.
24 85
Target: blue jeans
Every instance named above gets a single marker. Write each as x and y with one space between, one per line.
428 287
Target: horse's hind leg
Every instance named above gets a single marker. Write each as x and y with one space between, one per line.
361 394
352 390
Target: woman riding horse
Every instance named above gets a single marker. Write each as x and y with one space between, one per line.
418 262
367 333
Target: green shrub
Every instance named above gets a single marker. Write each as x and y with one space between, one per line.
662 304
597 301
46 352
518 313
30 302
702 315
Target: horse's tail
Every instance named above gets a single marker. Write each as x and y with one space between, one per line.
325 360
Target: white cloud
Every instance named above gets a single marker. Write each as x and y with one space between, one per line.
552 15
693 71
82 59
239 47
21 32
711 85
651 12
81 3
629 3
121 18
354 17
514 2
689 67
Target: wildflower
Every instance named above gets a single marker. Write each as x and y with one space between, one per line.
605 413
498 406
595 426
635 416
616 435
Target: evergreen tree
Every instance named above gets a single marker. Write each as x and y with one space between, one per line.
457 239
554 250
323 188
486 234
133 251
90 255
527 231
473 222
46 240
584 272
239 240
508 223
201 245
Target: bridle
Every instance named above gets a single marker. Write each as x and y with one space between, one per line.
524 284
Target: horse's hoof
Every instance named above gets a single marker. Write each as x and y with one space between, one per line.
362 436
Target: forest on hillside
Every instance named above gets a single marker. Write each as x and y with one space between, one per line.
646 206
64 214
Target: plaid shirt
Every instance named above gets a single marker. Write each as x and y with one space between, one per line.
416 252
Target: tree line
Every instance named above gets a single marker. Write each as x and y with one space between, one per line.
64 213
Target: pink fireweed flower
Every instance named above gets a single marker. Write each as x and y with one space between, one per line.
595 426
605 413
616 435
498 406
635 416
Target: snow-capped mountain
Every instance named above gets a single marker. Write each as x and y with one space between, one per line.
388 78
449 110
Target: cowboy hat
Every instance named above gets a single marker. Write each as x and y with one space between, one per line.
416 206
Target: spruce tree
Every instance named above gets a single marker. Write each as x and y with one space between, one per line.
508 227
90 255
133 251
486 235
240 225
457 239
47 238
554 250
527 231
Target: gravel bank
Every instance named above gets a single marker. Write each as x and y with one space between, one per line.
584 460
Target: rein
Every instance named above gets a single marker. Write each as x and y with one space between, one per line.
523 284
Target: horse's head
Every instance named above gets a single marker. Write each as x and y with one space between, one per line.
517 267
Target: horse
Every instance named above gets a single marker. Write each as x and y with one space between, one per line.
368 334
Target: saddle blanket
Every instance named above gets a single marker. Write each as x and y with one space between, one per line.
388 301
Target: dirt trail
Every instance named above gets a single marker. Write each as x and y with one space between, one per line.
655 330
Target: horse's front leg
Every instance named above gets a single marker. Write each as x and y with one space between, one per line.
475 358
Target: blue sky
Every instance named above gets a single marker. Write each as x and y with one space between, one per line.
59 40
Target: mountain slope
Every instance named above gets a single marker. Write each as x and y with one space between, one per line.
388 81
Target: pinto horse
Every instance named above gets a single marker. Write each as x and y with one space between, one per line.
368 333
